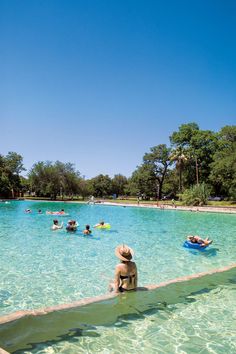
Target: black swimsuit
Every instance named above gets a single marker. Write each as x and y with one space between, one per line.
121 289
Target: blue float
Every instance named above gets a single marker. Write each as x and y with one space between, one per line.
196 246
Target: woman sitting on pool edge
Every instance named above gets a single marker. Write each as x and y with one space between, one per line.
126 275
199 240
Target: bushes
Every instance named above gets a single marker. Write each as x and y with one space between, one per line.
196 195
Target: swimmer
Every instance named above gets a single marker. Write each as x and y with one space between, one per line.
71 225
100 224
28 211
197 239
56 225
87 230
61 212
39 211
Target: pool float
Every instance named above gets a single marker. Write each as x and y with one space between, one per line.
196 246
105 226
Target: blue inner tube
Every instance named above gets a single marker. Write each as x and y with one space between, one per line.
195 246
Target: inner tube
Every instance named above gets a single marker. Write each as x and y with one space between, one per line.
105 226
195 246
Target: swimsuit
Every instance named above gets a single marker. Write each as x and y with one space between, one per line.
121 289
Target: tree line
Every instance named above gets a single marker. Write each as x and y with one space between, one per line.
195 163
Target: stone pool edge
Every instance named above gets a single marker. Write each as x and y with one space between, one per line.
24 314
43 311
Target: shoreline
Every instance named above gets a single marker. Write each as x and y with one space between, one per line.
209 209
160 206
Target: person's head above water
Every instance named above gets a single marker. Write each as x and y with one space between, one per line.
55 222
124 253
87 227
102 222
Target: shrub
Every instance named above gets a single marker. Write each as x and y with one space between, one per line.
196 195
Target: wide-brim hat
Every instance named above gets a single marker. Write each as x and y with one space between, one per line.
124 253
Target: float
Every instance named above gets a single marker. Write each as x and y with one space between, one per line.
196 246
105 226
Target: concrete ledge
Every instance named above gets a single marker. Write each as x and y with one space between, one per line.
22 328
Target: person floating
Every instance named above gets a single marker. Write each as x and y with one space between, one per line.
87 230
56 225
71 226
126 275
197 239
102 225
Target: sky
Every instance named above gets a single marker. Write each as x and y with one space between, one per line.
99 82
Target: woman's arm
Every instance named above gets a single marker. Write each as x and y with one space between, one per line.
117 279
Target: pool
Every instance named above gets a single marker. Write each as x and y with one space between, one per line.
41 268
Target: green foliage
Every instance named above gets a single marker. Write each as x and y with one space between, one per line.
223 167
119 184
101 186
198 147
158 161
196 195
11 166
52 179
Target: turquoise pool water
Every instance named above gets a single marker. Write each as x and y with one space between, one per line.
203 323
40 267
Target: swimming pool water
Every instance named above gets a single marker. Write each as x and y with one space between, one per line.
204 323
40 267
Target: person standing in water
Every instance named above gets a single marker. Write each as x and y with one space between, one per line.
126 275
87 230
56 225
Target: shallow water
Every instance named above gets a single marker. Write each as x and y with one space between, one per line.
40 267
203 323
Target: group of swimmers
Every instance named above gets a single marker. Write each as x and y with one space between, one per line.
72 226
61 212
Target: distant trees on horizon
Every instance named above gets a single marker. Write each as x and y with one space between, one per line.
194 157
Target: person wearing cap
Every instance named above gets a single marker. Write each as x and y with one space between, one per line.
126 276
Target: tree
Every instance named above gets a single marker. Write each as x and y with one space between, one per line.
223 167
11 166
52 179
142 182
158 161
179 156
101 185
119 183
199 147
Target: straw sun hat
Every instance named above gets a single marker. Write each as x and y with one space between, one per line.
124 253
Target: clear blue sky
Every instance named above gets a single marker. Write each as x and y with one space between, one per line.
99 82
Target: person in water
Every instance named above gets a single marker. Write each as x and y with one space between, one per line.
71 225
56 225
39 211
126 275
28 211
101 223
87 230
197 239
62 212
